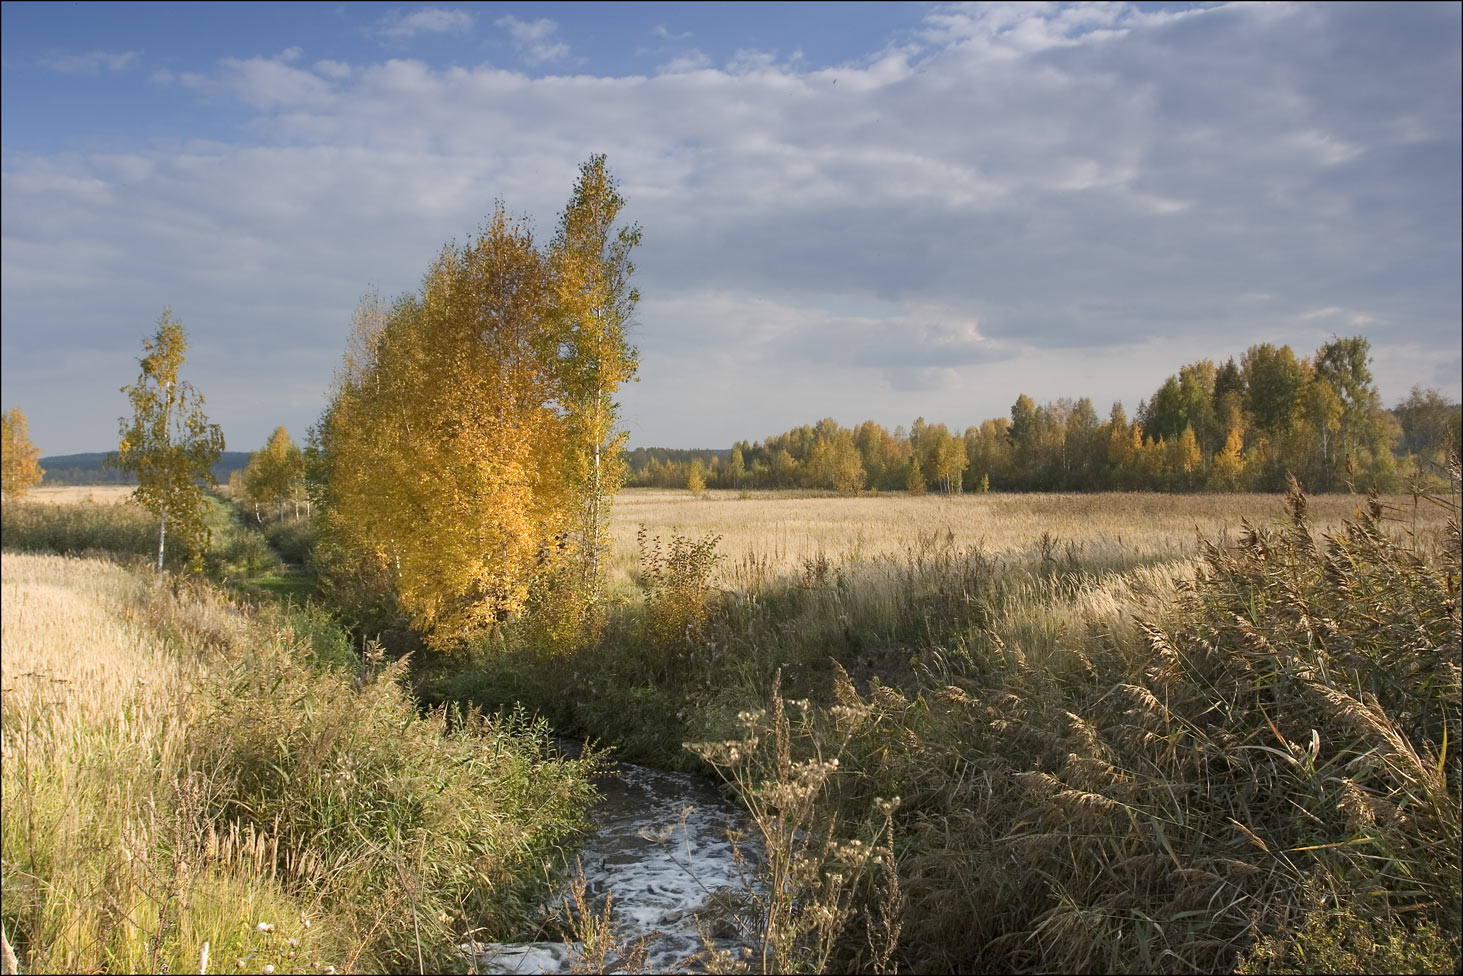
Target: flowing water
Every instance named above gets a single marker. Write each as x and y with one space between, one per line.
664 851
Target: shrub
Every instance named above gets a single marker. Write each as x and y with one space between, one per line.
676 576
292 537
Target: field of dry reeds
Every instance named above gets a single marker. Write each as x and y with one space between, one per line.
1121 733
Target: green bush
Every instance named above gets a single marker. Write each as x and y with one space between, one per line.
292 537
676 576
328 641
1339 942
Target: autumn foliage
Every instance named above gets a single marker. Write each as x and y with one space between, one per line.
168 442
20 467
468 451
1243 426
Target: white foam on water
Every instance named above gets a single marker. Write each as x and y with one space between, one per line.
664 855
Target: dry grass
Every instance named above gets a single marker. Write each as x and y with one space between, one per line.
1272 748
178 773
73 645
766 535
79 494
99 843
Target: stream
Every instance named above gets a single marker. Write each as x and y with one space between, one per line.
662 851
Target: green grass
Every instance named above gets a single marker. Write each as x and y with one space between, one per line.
291 586
252 774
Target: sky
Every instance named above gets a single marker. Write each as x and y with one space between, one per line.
858 211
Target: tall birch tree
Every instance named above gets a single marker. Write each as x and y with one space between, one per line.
445 453
594 303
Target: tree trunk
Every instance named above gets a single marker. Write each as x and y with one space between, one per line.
162 536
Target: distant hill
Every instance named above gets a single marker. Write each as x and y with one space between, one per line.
86 469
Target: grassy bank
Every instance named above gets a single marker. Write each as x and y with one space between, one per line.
182 770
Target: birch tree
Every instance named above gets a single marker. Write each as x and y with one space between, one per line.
275 475
444 453
20 465
168 442
593 305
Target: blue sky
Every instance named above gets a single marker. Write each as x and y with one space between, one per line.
860 211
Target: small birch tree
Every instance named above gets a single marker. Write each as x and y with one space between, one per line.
275 475
20 465
168 442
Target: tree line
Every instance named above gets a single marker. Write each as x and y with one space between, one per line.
1246 425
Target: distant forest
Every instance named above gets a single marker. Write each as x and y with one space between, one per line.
90 469
1242 426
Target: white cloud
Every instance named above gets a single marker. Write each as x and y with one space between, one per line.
748 62
333 69
1075 214
91 63
1350 318
693 60
428 20
270 83
535 39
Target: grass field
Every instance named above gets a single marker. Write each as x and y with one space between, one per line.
1128 733
766 535
1072 735
72 494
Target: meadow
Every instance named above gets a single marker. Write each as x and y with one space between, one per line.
766 534
1122 732
81 494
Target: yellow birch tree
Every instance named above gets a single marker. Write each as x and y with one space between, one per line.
20 470
445 458
1227 474
275 475
593 304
